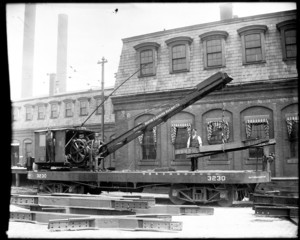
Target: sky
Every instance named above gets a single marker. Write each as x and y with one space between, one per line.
96 31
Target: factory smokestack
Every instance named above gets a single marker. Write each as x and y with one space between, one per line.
28 51
62 51
52 84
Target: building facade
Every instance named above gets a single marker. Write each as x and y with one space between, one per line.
258 52
59 111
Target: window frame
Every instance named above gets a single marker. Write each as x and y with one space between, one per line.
257 120
148 133
292 140
282 28
39 106
66 102
52 110
98 98
84 100
186 41
221 158
214 35
28 113
16 113
147 46
249 30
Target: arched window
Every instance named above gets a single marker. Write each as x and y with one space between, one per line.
147 142
292 123
218 130
257 123
180 132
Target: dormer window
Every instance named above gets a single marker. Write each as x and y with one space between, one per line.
214 48
288 34
179 54
253 43
147 58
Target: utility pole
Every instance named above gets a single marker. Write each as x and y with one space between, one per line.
102 86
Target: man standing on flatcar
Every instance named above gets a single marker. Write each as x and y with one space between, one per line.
194 141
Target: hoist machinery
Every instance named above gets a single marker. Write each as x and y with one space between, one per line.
73 146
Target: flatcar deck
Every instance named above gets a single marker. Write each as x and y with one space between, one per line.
197 177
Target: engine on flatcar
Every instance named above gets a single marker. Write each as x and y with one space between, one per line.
69 147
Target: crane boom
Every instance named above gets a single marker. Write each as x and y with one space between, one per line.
212 83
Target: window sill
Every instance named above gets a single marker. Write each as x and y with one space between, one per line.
258 62
253 161
214 67
289 59
147 163
179 71
179 162
292 161
218 162
145 76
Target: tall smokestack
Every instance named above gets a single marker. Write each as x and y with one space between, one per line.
226 11
62 51
52 84
28 51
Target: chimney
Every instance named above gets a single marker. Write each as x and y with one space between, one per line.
52 84
28 51
225 11
62 51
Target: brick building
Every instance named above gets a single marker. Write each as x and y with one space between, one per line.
259 52
58 111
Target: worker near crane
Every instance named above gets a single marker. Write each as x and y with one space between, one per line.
96 145
50 146
194 141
